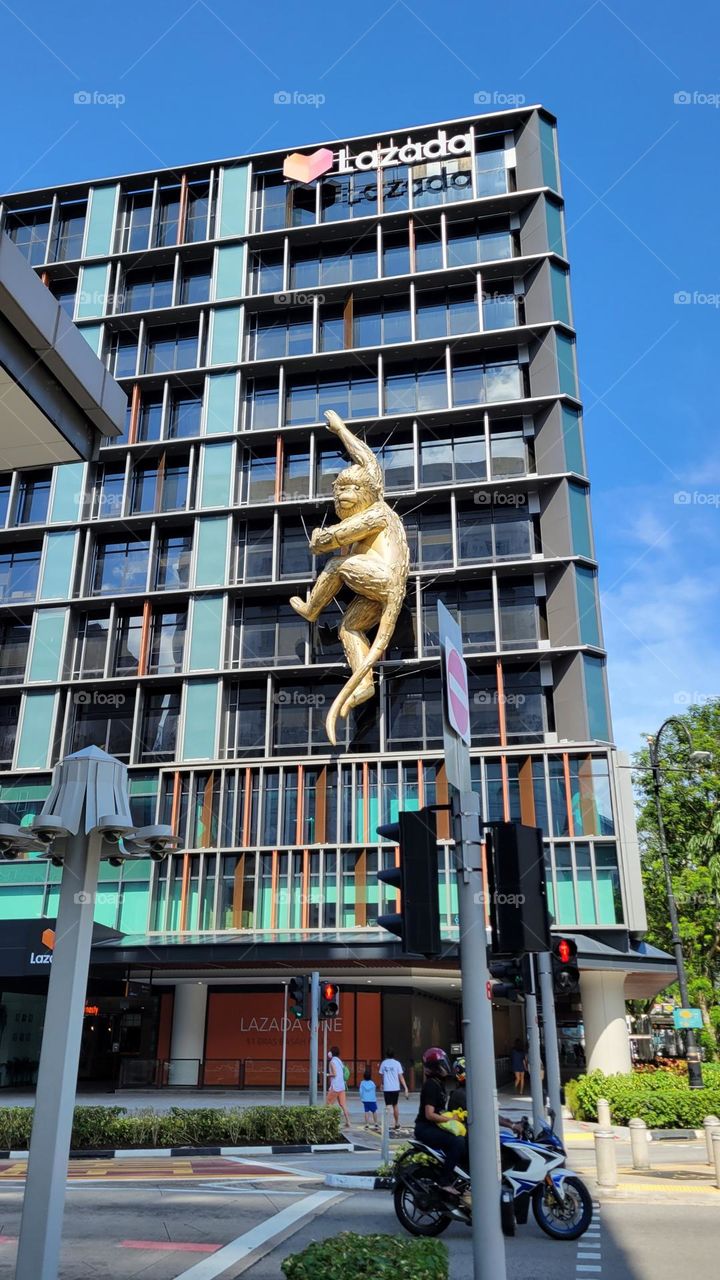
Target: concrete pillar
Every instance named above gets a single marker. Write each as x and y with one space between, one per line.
607 1044
187 1042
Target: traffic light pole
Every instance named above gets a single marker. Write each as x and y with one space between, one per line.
314 1027
483 1137
552 1050
532 1031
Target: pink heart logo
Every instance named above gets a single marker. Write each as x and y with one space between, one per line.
301 168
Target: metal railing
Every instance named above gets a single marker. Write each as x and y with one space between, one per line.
253 1073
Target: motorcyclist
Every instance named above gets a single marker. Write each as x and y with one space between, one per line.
433 1112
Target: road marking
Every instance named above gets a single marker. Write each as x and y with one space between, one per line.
168 1246
241 1248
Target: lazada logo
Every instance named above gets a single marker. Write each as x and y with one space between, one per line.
300 168
47 938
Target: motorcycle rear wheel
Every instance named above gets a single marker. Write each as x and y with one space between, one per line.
563 1222
430 1221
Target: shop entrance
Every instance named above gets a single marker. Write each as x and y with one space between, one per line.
114 1029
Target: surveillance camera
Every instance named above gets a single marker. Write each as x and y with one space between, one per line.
56 862
158 853
46 827
112 828
159 841
115 862
8 851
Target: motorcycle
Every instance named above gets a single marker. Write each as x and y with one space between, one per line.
533 1173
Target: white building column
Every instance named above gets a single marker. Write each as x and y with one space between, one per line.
187 1041
607 1044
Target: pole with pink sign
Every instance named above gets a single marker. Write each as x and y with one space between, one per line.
477 1024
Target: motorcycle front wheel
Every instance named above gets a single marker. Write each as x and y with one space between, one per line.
417 1208
563 1221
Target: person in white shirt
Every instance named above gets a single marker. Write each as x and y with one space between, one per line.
336 1082
391 1072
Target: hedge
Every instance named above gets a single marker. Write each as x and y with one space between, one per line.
110 1127
380 1257
663 1099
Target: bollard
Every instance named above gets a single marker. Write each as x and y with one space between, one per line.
385 1139
605 1159
639 1144
716 1156
603 1113
711 1125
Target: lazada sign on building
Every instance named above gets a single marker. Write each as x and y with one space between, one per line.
302 168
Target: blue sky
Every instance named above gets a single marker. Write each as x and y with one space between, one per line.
640 177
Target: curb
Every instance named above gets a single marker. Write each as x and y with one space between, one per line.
135 1153
357 1182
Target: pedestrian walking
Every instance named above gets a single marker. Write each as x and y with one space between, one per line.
336 1083
393 1080
518 1065
368 1097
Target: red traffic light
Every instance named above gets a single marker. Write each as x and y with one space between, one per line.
564 951
329 991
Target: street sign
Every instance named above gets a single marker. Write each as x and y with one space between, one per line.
456 701
685 1018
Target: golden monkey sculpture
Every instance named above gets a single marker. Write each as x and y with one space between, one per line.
373 561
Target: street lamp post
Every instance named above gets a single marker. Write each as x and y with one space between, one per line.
695 1078
85 818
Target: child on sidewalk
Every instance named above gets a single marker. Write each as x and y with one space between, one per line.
368 1097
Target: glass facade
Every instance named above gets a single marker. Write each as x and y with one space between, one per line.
152 618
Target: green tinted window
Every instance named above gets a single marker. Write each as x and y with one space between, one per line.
221 402
100 221
67 493
596 699
46 657
200 716
206 637
58 566
547 154
225 336
579 521
555 230
559 284
567 379
92 333
572 438
233 202
217 474
36 731
586 583
93 291
212 549
230 271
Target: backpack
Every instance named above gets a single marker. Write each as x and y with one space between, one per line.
346 1073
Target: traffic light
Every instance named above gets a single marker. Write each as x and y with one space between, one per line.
518 893
512 981
297 997
329 1000
417 923
565 971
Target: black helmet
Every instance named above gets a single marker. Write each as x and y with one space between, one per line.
459 1069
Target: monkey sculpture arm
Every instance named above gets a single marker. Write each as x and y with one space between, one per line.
351 530
357 449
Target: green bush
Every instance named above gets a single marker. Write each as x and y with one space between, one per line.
103 1127
379 1257
663 1099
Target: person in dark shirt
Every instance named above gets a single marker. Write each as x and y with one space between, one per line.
433 1111
458 1097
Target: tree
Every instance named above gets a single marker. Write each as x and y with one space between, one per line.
691 816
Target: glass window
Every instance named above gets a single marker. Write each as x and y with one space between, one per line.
295 557
174 483
108 495
150 417
14 641
91 645
428 249
173 561
490 171
271 198
396 253
266 272
332 329
255 552
185 414
349 195
567 378
145 290
158 735
398 464
271 635
518 615
414 712
598 720
572 436
440 181
29 229
144 488
607 885
247 706
135 227
328 464
473 609
171 348
217 475
525 705
128 643
120 566
167 216
305 402
104 721
123 355
195 282
579 521
500 308
69 229
446 312
33 497
167 642
589 623
198 208
296 474
257 482
19 569
507 451
395 188
262 399
212 544
208 633
64 292
416 389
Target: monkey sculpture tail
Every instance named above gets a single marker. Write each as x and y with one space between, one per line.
383 636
